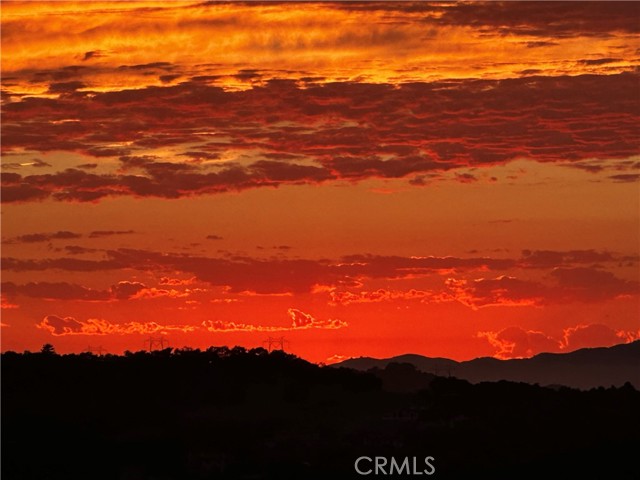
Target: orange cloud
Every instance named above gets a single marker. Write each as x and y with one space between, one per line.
299 321
380 295
595 335
6 304
43 237
578 284
60 326
124 290
224 326
249 276
103 46
515 342
55 291
335 359
173 282
306 141
501 291
161 292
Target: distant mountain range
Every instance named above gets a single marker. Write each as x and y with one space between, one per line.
586 368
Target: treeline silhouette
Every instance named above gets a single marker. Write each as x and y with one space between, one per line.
233 413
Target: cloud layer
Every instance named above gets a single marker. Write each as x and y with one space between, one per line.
62 326
515 342
283 134
543 277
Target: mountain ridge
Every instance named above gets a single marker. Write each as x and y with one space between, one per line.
583 368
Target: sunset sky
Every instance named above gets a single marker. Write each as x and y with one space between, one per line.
448 179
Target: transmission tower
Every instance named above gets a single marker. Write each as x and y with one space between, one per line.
437 370
157 343
95 350
276 343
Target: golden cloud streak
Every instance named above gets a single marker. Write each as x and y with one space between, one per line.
105 43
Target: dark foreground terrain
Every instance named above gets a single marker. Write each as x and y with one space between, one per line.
237 414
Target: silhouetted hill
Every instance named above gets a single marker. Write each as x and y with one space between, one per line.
585 368
433 365
236 414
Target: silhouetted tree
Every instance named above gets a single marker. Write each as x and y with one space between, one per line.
48 349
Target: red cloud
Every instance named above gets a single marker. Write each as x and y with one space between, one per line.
595 335
109 233
376 266
289 276
55 291
578 284
68 264
6 304
176 281
551 258
43 237
401 130
380 295
591 284
162 292
515 342
125 290
275 276
559 19
299 321
60 326
336 359
500 291
67 291
224 326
